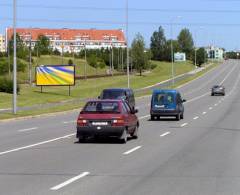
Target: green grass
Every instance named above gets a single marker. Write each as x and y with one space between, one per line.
80 64
90 88
57 60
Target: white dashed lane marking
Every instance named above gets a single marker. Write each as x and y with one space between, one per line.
132 150
164 134
84 174
184 124
29 129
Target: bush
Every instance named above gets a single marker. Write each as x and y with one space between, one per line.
70 62
153 66
6 85
3 67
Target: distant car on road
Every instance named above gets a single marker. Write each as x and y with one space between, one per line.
167 103
107 118
218 90
119 93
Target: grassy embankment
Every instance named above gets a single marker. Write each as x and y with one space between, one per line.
89 88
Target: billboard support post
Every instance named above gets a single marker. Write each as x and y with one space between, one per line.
41 89
69 90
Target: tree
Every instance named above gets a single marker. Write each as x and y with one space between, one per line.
158 45
201 56
138 54
43 45
185 42
92 60
168 52
22 50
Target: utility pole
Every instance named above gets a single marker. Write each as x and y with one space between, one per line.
172 55
172 52
128 76
14 59
122 59
30 61
85 65
112 60
9 62
195 43
62 46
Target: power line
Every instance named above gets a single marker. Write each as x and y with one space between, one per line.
37 6
104 22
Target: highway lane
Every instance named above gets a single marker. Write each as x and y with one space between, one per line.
55 162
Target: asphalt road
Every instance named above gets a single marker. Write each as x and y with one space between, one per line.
197 155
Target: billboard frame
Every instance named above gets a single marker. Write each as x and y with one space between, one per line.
69 86
74 68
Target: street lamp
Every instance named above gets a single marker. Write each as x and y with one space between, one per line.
62 46
85 64
127 42
172 52
195 52
14 58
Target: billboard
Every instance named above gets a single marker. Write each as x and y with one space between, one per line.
179 57
55 75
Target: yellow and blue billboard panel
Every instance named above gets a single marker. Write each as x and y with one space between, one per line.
55 75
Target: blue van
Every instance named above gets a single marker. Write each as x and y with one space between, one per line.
167 102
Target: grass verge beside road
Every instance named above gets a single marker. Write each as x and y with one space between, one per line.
91 88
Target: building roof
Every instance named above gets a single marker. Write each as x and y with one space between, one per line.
70 34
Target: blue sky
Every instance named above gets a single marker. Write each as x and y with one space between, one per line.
71 14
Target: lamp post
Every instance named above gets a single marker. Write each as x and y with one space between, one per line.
30 60
172 52
85 64
195 52
127 42
62 46
14 58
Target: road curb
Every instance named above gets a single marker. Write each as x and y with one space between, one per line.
40 115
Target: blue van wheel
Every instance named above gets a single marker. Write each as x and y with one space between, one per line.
178 117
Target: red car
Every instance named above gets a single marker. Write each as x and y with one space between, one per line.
107 118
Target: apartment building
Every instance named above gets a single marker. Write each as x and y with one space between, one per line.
72 40
2 43
215 52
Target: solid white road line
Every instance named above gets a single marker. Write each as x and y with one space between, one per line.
227 75
84 174
210 108
184 124
68 122
206 83
164 134
29 129
37 144
195 118
204 113
132 150
215 104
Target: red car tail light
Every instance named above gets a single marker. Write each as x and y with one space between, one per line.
82 122
118 122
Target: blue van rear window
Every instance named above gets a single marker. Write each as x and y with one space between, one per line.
160 99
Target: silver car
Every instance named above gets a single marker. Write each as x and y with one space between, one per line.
218 90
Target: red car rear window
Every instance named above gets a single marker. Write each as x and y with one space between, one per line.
96 107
